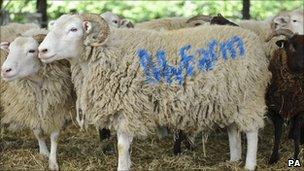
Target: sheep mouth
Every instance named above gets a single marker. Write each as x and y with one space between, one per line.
10 77
47 59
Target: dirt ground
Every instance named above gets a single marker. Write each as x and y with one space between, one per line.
83 151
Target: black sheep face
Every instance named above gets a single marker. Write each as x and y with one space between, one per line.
294 48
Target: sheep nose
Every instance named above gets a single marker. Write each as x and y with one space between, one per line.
6 70
44 50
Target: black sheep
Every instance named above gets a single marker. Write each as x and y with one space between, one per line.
285 95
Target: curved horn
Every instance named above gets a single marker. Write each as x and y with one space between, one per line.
104 29
284 32
206 18
39 37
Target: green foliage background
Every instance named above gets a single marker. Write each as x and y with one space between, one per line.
145 10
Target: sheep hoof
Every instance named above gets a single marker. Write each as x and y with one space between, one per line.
177 149
108 149
250 167
53 166
274 158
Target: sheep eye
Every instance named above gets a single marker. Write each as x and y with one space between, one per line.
115 21
294 21
31 51
197 24
73 29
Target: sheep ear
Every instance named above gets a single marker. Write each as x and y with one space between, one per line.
126 23
219 15
87 26
5 45
281 43
51 24
281 20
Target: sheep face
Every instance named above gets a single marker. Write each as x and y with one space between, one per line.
115 21
294 48
22 59
289 20
112 19
64 40
70 33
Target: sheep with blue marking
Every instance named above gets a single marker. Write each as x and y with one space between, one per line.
168 24
186 79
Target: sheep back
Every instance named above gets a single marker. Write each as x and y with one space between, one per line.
163 24
232 91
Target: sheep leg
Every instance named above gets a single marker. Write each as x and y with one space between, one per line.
235 143
252 147
189 141
124 143
302 133
178 138
297 135
278 123
53 165
162 132
43 150
291 129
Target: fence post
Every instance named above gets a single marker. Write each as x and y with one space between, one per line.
246 9
41 7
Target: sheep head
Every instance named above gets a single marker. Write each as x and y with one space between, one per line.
70 34
116 21
292 20
112 19
294 48
22 60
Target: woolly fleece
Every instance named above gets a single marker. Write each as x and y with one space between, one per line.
116 91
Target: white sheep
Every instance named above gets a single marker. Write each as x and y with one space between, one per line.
8 33
130 85
38 96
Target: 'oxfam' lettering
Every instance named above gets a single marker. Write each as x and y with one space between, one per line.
206 62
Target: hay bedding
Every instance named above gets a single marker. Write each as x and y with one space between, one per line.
83 151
